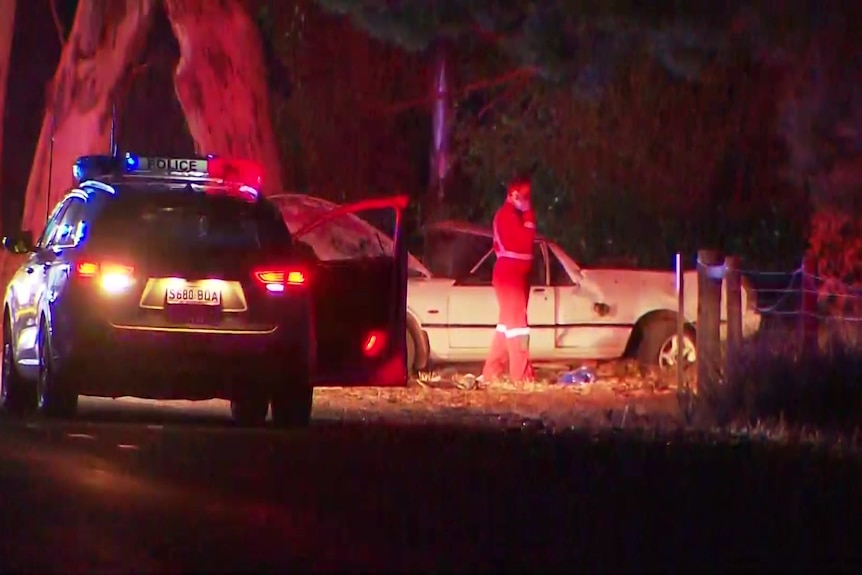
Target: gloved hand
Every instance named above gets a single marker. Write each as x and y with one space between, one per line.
521 203
529 215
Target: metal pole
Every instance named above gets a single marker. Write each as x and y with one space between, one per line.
50 167
114 129
680 325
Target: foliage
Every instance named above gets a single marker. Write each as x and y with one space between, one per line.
821 121
337 140
565 38
778 383
642 171
836 243
666 109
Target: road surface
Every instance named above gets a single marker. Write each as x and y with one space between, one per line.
129 487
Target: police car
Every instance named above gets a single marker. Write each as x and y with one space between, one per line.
173 278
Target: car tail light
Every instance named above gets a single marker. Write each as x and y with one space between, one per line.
112 277
374 343
275 280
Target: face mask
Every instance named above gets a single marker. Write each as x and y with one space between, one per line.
521 204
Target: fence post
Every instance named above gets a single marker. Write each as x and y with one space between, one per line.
709 282
733 277
808 324
680 326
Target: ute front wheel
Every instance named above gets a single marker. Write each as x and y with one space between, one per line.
659 345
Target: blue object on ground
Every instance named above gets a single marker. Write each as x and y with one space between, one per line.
580 376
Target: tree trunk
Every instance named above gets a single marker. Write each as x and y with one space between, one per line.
221 83
441 119
106 37
7 31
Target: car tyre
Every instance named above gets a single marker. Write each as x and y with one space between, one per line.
17 395
293 400
249 409
655 337
55 397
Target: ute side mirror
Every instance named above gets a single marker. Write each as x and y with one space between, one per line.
20 244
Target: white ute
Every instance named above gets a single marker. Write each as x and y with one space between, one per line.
574 313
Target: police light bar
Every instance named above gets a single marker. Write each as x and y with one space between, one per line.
246 174
93 167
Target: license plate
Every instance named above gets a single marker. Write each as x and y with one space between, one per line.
193 295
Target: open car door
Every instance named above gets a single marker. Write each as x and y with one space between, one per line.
360 300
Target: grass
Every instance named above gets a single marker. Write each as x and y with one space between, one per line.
773 381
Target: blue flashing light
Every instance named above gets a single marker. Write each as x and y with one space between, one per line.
91 167
132 162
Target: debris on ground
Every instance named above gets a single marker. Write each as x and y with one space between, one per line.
621 395
581 376
624 377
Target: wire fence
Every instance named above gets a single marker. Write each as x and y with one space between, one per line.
794 301
803 365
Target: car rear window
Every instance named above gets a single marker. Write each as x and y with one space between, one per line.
190 220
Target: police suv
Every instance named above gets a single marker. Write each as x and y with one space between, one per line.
173 278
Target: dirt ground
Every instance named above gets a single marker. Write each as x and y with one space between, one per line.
622 396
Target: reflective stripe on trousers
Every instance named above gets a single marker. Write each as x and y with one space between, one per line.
511 342
513 332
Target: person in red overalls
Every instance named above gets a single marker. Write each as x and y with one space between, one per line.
514 233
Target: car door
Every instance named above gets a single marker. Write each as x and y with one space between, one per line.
360 299
26 290
583 329
473 310
54 259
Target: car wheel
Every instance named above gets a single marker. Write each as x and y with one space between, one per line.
658 345
54 396
293 400
249 408
411 352
17 395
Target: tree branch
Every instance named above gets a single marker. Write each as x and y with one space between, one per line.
511 76
507 93
58 25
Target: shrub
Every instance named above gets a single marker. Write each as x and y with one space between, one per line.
773 380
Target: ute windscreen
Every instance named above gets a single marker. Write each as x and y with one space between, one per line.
190 221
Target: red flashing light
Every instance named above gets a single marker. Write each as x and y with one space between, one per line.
275 280
374 344
88 269
232 170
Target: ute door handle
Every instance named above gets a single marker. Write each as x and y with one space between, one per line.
538 290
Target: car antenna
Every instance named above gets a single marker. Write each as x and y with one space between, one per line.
115 148
50 165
